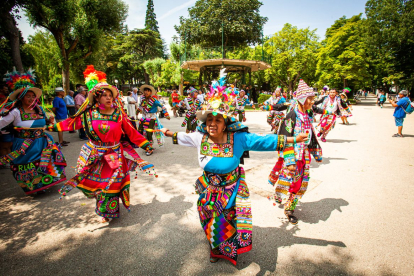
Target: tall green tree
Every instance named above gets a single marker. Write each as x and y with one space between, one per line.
238 21
77 25
154 69
150 18
294 55
390 35
343 60
141 45
48 61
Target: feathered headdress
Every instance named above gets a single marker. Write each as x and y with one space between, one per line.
219 98
96 81
20 83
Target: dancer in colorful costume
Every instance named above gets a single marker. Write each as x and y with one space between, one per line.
35 161
224 205
240 102
149 122
335 107
348 108
192 104
291 172
275 116
103 172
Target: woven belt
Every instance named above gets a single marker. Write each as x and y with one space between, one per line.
222 179
29 133
104 144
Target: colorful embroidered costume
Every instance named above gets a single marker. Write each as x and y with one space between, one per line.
275 116
36 161
149 120
102 169
190 118
335 107
291 186
240 103
224 205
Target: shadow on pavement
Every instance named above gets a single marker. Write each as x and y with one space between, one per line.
267 240
340 141
338 264
325 161
321 210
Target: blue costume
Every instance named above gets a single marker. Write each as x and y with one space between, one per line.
36 162
224 204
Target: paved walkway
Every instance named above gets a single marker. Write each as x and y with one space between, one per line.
355 219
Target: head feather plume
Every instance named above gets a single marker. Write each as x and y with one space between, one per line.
93 77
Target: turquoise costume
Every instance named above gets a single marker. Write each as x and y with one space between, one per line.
224 205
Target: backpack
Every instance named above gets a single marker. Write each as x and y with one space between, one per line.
410 108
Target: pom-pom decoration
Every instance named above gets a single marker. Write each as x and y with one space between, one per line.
325 88
347 90
93 77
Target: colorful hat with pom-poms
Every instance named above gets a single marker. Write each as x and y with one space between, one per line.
325 88
346 90
218 100
20 83
96 81
303 92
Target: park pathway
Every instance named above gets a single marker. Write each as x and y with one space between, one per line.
355 219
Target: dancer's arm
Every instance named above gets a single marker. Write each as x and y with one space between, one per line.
133 135
9 118
184 139
70 124
317 102
270 142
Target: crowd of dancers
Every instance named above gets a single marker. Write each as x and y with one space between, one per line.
214 125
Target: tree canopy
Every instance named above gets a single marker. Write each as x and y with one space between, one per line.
240 21
343 61
77 26
150 18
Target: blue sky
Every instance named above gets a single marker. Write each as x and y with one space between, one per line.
316 14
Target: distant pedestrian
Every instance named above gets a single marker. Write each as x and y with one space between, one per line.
399 112
70 105
61 112
132 106
382 99
79 100
366 94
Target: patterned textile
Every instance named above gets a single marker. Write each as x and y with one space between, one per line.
327 123
106 181
190 117
228 228
217 150
293 183
274 118
41 174
241 114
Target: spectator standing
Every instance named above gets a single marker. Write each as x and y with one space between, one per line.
200 96
61 112
399 112
70 105
79 100
132 106
175 99
135 95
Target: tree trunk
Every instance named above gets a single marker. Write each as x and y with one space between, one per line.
146 76
66 76
181 84
14 40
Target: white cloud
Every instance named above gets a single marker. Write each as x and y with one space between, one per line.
176 9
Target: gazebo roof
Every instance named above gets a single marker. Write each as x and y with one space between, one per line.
230 64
